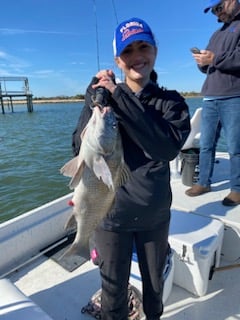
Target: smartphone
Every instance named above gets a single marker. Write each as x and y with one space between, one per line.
195 50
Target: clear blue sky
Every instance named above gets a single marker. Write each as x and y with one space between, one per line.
54 42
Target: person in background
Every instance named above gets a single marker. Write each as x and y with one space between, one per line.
221 90
154 124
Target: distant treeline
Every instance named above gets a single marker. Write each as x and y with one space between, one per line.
62 97
191 94
82 96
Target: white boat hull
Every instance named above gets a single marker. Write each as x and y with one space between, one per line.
23 237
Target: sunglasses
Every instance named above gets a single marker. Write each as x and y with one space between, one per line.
219 8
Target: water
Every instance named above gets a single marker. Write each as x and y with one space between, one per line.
33 147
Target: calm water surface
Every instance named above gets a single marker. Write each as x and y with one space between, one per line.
33 147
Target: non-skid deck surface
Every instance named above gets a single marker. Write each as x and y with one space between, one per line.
62 294
209 204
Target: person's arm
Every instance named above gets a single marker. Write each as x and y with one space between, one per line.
221 56
160 134
228 61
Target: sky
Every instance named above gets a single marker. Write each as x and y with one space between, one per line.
61 44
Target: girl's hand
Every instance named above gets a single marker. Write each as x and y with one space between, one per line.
106 80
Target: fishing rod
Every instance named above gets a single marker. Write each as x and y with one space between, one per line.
115 11
96 28
101 96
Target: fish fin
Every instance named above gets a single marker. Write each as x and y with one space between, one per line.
80 249
70 168
77 250
77 175
71 223
125 174
83 132
102 171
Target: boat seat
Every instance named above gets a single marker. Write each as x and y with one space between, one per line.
193 141
195 133
15 305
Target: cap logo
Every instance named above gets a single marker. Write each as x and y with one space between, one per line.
131 24
128 33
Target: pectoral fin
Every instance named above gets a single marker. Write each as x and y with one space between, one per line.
125 174
101 170
78 175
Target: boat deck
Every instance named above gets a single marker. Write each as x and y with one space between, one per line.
209 204
62 294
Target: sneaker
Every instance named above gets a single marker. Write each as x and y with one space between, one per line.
197 190
232 200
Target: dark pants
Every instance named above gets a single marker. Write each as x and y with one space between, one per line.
115 255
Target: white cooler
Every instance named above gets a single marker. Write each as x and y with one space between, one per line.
135 277
197 242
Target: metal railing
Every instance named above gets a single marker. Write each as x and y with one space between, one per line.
6 91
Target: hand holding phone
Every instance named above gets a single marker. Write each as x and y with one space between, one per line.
195 50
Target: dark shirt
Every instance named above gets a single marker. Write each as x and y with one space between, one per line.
153 127
223 75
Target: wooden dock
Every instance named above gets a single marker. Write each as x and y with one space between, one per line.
12 88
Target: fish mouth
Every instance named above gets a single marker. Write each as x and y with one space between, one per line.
105 109
102 109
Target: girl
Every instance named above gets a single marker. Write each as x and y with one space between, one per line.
154 124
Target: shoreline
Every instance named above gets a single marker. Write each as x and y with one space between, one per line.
52 100
41 101
56 100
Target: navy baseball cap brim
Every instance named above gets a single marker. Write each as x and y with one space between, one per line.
131 30
211 4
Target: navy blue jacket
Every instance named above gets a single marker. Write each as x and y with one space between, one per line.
153 127
223 75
